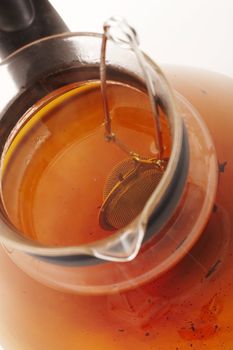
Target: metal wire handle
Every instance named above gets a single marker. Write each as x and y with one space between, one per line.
119 31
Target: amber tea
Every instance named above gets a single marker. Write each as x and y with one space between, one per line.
59 160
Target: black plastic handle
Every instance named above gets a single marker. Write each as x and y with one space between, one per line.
24 21
16 14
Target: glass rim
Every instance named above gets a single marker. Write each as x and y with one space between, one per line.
138 225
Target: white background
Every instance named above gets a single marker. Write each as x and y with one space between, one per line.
187 32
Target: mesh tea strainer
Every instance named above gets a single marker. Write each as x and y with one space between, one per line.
133 180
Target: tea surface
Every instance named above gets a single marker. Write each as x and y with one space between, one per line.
59 160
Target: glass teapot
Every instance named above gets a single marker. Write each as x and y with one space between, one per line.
164 278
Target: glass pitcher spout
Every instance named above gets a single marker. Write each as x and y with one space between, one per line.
124 247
